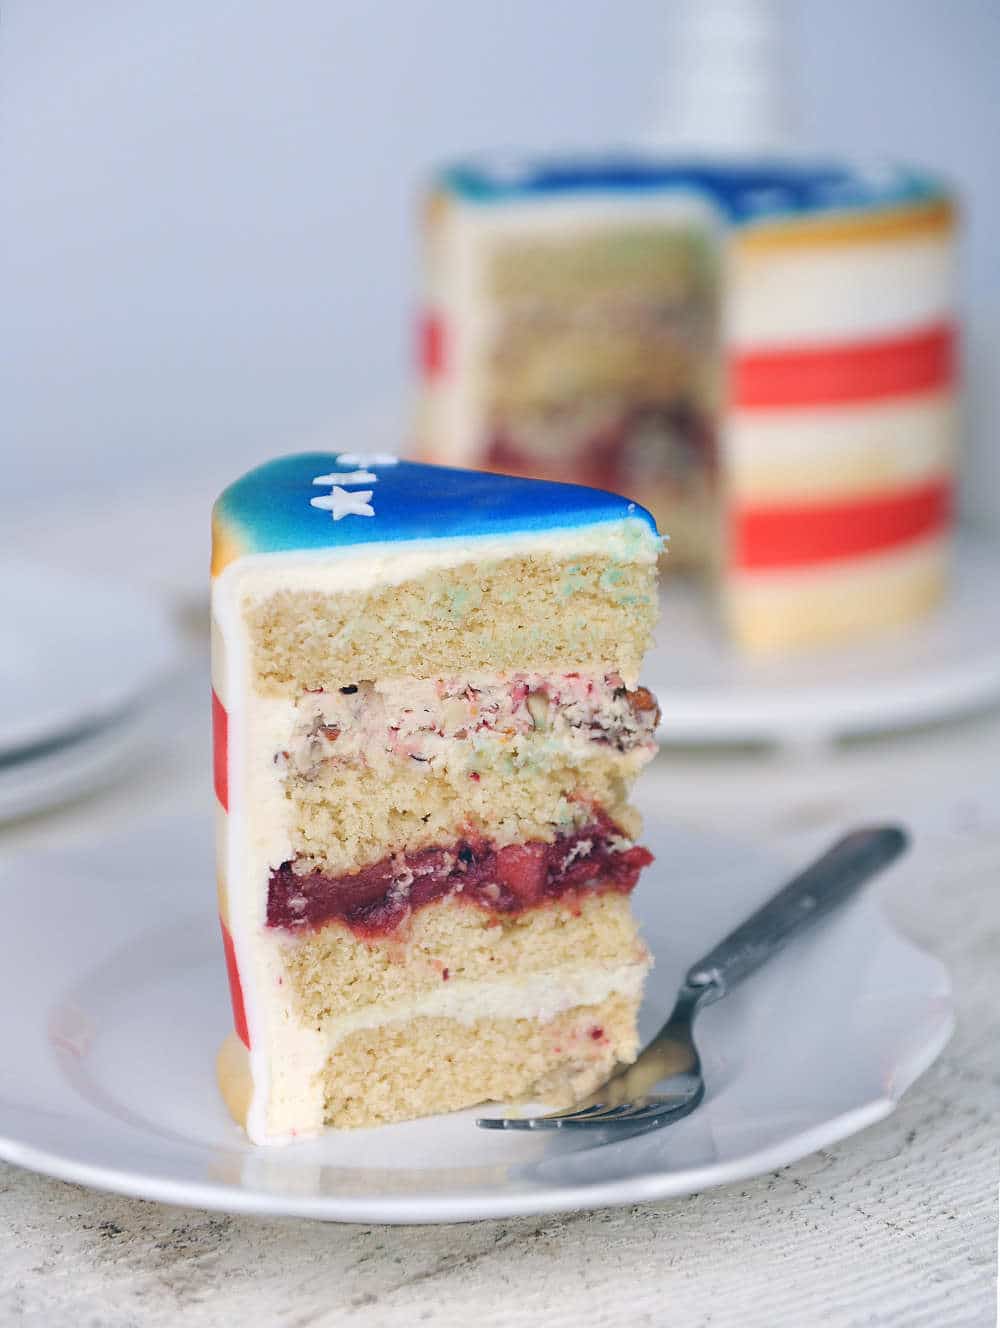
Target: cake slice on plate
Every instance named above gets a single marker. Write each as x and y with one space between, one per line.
427 721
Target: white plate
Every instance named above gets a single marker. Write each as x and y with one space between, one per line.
945 665
74 652
113 1002
55 775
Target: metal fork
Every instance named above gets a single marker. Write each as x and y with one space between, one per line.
671 1060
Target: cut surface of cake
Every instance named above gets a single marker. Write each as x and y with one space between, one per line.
765 353
427 719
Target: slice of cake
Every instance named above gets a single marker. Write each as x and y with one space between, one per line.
427 722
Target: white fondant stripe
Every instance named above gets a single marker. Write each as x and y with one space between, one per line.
844 576
837 451
218 664
776 610
852 293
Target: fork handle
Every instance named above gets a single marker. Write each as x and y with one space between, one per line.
829 882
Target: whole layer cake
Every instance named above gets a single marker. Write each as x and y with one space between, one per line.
763 354
427 722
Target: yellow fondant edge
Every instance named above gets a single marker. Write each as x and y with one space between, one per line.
226 544
917 219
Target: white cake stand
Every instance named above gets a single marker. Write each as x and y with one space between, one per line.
944 666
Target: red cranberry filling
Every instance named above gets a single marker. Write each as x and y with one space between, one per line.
375 900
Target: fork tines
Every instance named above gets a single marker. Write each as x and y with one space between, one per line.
655 1108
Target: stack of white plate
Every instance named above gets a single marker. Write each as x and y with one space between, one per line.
82 665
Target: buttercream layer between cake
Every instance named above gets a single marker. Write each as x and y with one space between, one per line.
768 611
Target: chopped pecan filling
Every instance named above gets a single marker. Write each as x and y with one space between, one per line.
421 719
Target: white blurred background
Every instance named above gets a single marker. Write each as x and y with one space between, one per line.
208 204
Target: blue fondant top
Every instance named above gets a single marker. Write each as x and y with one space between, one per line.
330 500
744 192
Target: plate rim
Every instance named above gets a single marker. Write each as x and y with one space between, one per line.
18 739
88 764
403 1210
474 1207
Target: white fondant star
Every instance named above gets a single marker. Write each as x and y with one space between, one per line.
349 477
340 503
367 459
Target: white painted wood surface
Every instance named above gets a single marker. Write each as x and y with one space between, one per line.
897 1226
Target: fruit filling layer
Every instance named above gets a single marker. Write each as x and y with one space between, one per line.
594 858
420 720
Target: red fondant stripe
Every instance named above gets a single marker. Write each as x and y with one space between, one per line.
861 371
235 987
792 535
220 751
431 349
